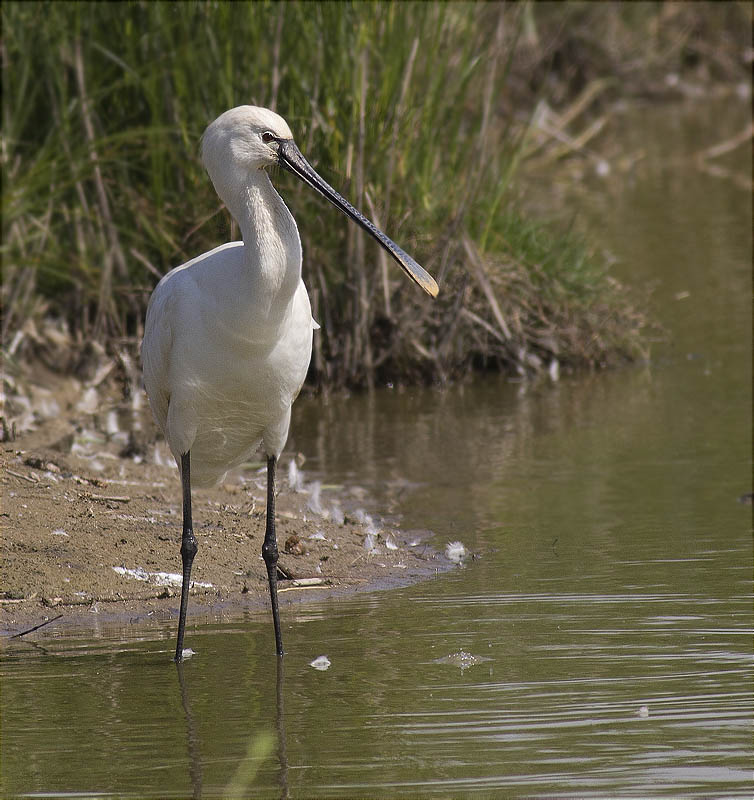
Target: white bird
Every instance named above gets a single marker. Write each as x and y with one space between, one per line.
228 335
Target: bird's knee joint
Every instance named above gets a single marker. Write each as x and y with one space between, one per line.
189 546
270 553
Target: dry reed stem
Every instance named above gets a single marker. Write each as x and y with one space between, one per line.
105 311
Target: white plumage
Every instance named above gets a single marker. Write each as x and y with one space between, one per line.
228 335
219 390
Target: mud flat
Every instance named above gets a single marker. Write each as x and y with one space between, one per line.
91 527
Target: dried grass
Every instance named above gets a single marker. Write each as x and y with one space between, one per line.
419 108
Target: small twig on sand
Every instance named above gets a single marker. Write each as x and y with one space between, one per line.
107 497
304 583
19 475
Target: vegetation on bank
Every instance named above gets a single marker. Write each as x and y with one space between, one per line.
421 114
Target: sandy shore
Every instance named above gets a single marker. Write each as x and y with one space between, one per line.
91 525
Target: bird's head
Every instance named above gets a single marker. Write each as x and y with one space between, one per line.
248 138
243 139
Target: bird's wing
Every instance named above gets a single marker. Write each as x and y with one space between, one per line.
155 355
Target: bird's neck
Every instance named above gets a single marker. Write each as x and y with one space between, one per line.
272 247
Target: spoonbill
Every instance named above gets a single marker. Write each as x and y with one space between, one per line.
228 335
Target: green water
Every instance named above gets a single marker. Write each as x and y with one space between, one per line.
611 599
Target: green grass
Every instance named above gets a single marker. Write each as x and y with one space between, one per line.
403 107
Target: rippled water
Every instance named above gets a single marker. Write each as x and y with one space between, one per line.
599 642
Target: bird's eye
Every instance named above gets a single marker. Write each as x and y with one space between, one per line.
268 136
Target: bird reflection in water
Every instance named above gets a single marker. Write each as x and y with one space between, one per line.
259 745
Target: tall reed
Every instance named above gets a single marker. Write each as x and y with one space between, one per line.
401 106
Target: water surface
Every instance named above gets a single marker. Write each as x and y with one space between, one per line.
608 608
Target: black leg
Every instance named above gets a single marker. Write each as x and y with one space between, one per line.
270 551
188 551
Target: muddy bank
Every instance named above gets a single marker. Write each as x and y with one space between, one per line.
91 525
